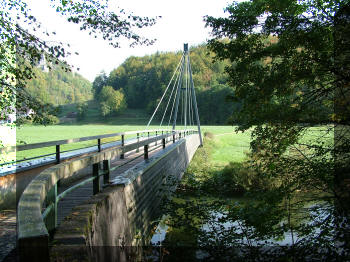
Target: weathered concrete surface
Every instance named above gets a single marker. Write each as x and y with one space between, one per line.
123 214
32 232
15 178
13 185
8 192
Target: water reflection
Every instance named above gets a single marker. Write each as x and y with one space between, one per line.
211 229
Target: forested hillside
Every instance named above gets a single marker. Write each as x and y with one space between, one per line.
143 80
58 87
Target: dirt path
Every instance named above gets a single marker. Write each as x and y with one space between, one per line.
7 232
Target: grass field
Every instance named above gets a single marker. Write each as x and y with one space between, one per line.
228 145
228 142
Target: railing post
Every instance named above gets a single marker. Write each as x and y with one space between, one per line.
173 138
58 154
106 168
148 134
163 142
180 135
51 218
145 152
156 140
122 155
96 181
138 140
99 144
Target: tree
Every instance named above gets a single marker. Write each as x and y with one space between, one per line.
290 70
112 101
82 108
144 79
99 82
22 50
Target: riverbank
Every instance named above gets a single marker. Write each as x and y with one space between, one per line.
225 210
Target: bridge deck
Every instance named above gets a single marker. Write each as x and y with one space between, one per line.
83 193
72 199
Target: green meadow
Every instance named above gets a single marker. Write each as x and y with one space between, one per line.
228 146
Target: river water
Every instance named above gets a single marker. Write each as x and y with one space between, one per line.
208 229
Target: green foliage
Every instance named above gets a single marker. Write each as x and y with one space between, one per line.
288 71
205 175
51 120
144 80
99 82
105 109
58 87
112 101
23 49
82 109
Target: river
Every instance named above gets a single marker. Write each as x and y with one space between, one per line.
206 228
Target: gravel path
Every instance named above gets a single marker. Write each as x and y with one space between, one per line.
7 234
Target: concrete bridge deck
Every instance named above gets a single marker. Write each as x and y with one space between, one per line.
80 195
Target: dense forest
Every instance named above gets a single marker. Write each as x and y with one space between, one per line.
58 87
142 81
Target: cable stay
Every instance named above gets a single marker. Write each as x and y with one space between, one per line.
180 94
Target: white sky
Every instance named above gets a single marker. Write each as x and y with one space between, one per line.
181 22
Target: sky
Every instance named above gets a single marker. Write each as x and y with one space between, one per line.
181 22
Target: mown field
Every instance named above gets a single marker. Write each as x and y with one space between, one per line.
228 145
228 141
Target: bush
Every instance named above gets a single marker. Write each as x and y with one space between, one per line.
51 120
82 108
209 135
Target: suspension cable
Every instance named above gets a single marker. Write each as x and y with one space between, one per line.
171 94
155 111
176 94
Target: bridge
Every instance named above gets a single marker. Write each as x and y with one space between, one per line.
110 196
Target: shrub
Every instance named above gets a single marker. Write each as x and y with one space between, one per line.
209 135
51 120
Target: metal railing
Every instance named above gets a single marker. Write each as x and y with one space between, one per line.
149 144
58 144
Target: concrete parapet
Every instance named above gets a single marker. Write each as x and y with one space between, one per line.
32 233
124 212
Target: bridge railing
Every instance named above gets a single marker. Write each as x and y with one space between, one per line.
35 225
59 143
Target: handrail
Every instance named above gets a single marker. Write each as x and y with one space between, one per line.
10 149
43 188
58 144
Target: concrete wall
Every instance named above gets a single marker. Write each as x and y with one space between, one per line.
13 185
124 213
